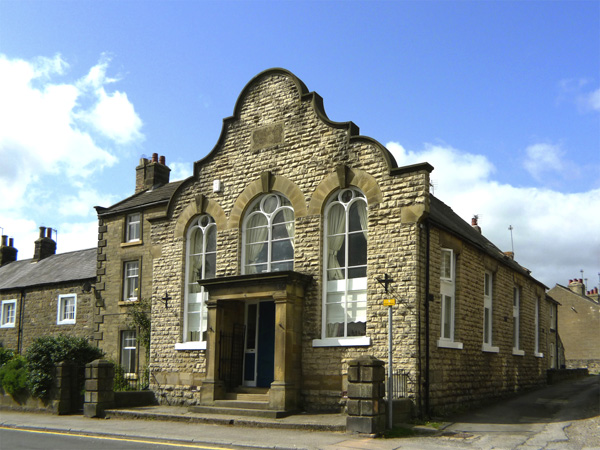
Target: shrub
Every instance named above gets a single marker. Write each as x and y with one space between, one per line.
13 376
5 355
46 352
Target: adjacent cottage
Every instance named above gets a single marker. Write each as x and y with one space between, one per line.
47 295
264 270
578 318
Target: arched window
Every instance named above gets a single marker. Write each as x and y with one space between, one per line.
345 289
268 235
201 258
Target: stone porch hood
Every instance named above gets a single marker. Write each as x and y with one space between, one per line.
287 290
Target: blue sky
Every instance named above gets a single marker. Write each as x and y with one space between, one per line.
502 98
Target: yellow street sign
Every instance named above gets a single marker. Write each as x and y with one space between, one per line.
389 302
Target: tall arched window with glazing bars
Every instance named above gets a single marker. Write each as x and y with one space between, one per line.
268 235
345 265
201 259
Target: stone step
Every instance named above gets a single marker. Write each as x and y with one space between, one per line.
242 404
234 411
247 397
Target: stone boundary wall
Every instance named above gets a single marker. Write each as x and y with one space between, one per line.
558 375
592 365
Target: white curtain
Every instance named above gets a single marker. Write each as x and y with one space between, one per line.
288 216
336 225
254 235
362 215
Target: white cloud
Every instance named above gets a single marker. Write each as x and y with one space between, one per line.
592 100
180 171
555 234
55 135
543 158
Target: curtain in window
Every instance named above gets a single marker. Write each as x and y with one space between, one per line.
335 226
256 236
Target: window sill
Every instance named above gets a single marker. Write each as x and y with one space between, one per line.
360 341
8 325
70 322
190 346
518 352
131 244
127 302
489 348
445 343
538 355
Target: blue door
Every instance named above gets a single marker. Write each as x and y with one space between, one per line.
259 354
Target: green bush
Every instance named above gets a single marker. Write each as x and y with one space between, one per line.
13 376
46 352
5 355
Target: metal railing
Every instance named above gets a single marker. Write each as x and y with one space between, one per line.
399 384
131 381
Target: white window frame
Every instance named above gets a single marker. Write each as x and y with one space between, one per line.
537 352
553 317
127 350
64 316
448 300
133 227
552 351
127 280
488 294
206 224
517 322
348 283
8 313
257 207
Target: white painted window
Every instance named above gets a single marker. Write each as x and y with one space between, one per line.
553 316
8 313
448 296
201 260
67 309
131 280
517 322
268 235
133 227
345 270
488 290
552 351
537 329
128 351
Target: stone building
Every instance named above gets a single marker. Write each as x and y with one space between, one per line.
47 295
263 270
125 262
579 324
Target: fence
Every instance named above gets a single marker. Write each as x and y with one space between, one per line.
131 381
399 384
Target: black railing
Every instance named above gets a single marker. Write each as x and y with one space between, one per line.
399 384
232 356
131 381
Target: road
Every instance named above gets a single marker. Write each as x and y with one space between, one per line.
21 439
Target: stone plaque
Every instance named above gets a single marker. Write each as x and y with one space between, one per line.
267 136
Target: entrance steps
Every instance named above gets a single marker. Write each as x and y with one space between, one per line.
243 402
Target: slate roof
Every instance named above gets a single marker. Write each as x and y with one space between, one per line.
154 196
60 268
444 217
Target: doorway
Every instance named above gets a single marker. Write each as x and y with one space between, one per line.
259 347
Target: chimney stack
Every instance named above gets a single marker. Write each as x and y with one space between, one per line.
576 285
474 224
8 253
151 173
44 246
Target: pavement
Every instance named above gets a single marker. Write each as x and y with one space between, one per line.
565 416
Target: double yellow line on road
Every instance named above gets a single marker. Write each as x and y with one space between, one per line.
110 438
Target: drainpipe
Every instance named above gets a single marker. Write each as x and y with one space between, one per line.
427 230
21 314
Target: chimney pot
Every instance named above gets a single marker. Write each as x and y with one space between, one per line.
49 232
154 157
162 160
11 242
4 240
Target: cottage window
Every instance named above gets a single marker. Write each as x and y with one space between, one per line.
201 261
268 235
537 329
488 290
552 317
345 270
8 310
517 322
132 227
67 308
128 351
448 295
131 280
